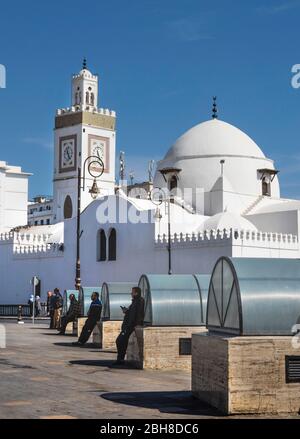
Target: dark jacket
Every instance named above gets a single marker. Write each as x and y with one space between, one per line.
58 301
134 316
95 310
74 309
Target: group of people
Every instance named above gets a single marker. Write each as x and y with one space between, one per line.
133 316
34 303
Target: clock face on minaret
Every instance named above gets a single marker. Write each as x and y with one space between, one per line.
99 146
67 153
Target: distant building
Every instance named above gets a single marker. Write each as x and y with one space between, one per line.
140 190
13 196
40 211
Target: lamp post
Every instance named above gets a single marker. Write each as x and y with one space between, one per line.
95 169
169 174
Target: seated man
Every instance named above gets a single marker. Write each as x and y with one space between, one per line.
134 316
72 314
94 316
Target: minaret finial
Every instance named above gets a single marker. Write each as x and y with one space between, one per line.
215 108
84 63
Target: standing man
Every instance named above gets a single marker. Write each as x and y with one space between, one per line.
50 307
38 306
31 303
134 316
94 316
58 304
72 313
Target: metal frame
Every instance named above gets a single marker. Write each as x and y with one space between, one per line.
235 283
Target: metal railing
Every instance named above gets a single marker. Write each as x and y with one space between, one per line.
12 310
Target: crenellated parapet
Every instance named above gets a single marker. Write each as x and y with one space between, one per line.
232 237
6 237
195 238
89 108
38 251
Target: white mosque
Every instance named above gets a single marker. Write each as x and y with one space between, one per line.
225 201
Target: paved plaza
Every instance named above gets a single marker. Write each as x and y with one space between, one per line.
43 376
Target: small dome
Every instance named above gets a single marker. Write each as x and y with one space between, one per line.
85 72
214 137
227 220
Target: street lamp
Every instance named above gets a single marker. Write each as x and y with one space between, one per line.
170 175
95 168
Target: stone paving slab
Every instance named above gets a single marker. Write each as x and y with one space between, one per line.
42 376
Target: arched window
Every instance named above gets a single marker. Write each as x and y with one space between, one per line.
87 97
173 183
112 245
173 187
101 245
266 186
92 99
68 207
76 99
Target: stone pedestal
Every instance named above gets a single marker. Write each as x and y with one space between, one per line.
161 347
80 324
105 334
69 328
240 375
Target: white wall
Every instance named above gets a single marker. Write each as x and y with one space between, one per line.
13 199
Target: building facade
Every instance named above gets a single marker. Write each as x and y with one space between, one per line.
225 201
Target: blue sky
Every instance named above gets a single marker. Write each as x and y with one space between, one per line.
159 63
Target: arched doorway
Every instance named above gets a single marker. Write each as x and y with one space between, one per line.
68 207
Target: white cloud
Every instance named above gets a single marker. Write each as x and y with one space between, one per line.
39 141
279 7
187 30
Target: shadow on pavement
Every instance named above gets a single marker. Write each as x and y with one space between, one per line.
101 363
58 335
166 402
88 346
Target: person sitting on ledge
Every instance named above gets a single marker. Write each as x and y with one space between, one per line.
94 316
72 314
133 316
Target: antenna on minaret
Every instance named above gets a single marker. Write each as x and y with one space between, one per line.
122 165
131 176
215 108
150 170
84 64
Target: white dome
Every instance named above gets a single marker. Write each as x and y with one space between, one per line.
211 150
227 220
214 137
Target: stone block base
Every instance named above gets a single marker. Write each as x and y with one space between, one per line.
241 375
106 333
161 347
80 324
70 328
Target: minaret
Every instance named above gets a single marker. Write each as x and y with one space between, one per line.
82 130
85 88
